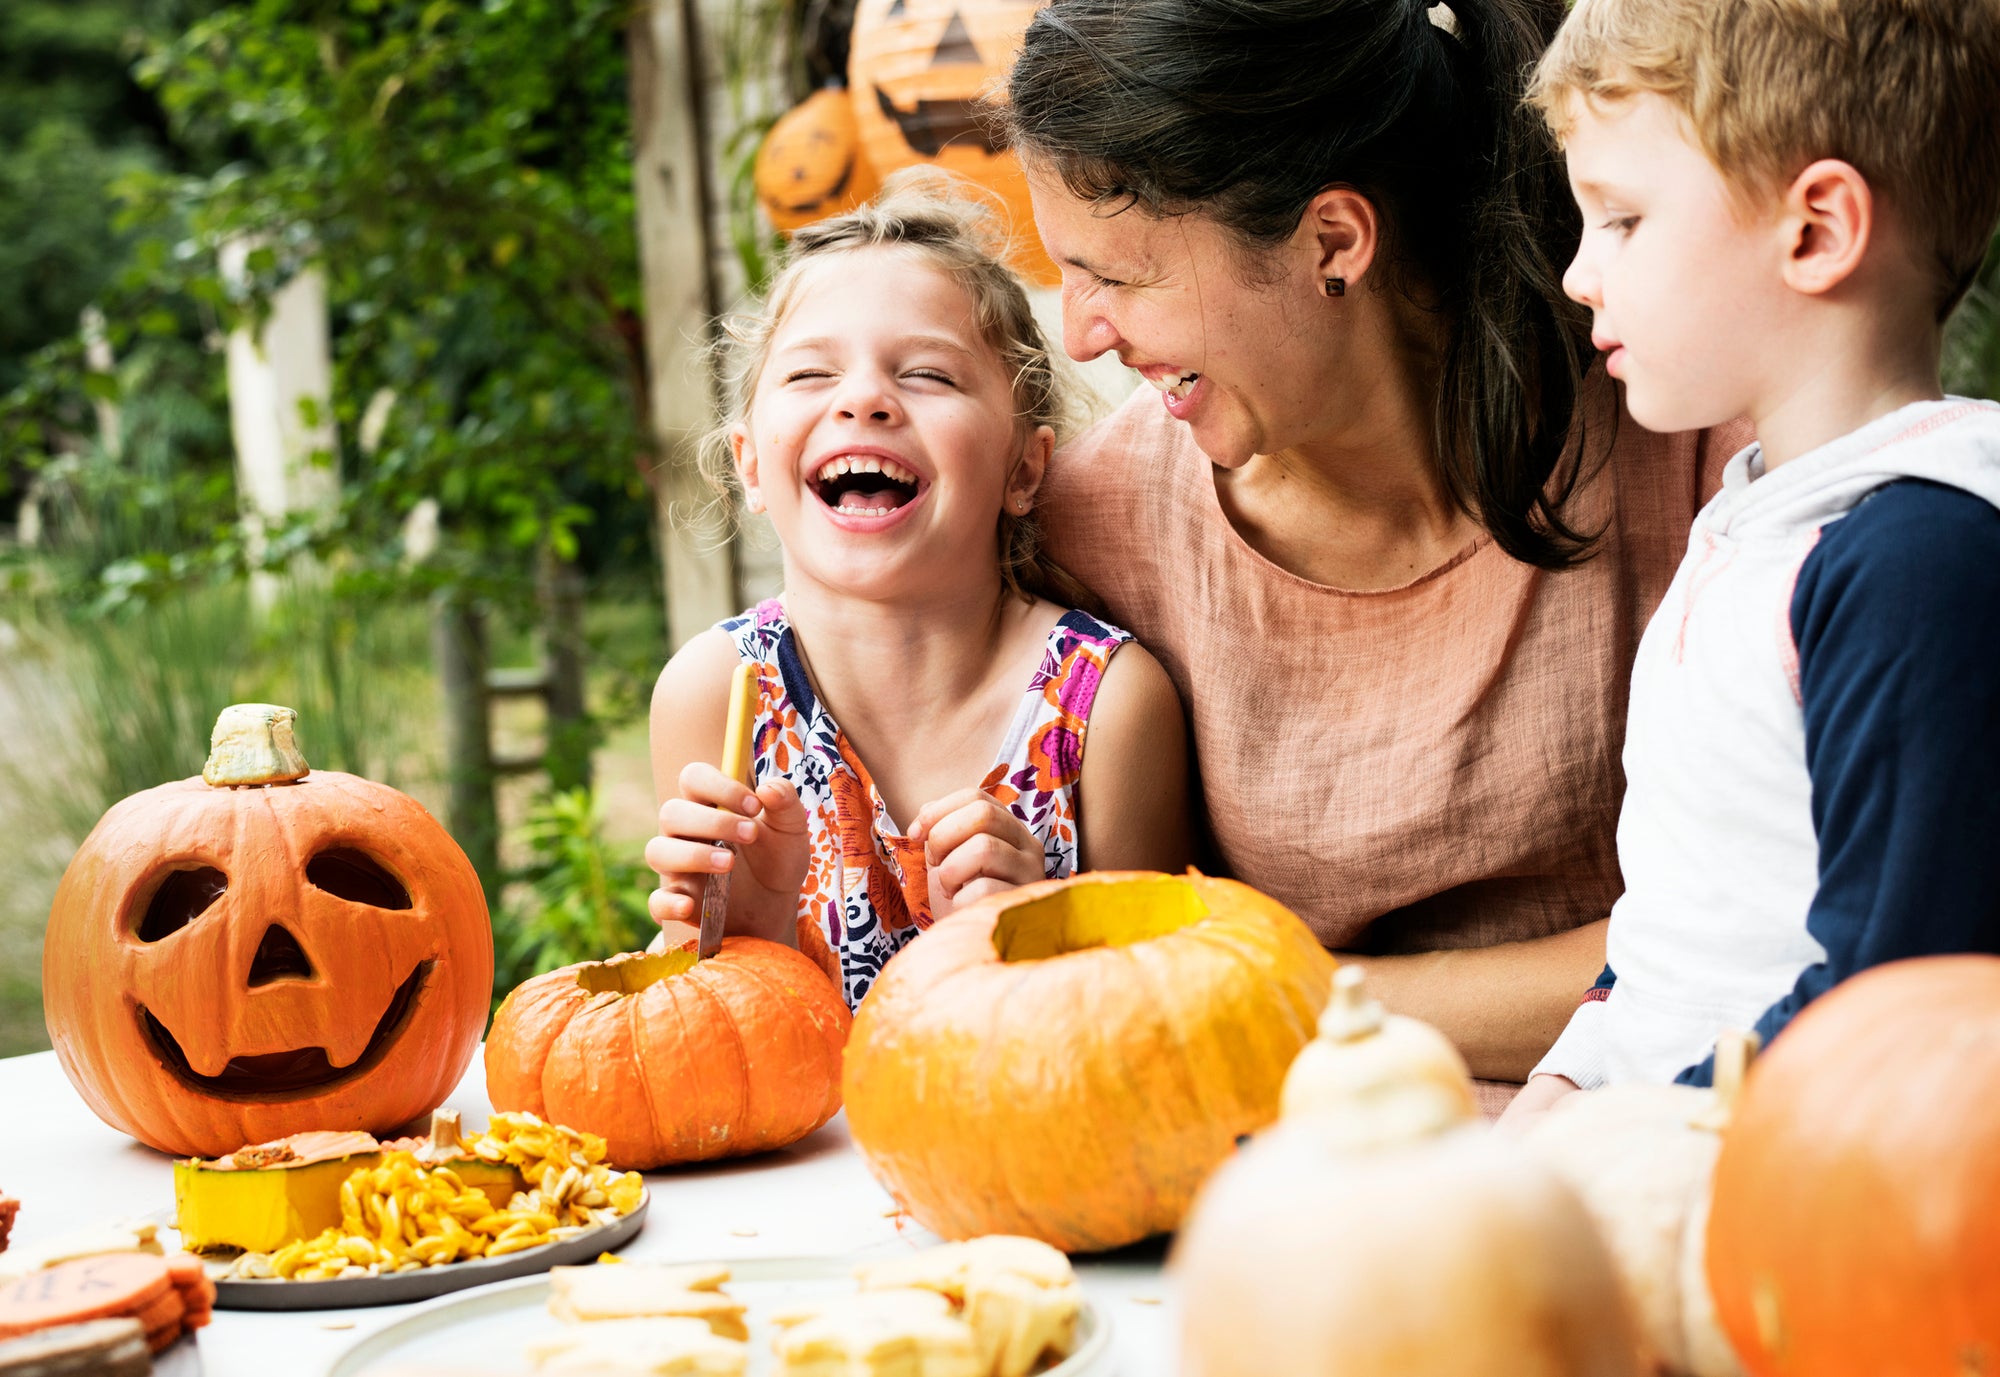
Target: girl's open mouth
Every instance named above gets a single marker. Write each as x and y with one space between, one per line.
865 485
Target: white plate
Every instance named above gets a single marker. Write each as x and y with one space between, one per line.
488 1330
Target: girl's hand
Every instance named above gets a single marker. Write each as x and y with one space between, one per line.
768 829
974 847
1535 1099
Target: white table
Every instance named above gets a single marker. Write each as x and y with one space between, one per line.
813 1199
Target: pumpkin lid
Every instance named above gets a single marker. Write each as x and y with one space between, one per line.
253 744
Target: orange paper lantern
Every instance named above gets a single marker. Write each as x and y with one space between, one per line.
811 164
917 71
264 951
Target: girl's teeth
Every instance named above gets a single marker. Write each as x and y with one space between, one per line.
1177 385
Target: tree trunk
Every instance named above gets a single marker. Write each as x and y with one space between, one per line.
559 590
670 182
458 642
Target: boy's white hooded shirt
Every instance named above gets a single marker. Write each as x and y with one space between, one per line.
1723 923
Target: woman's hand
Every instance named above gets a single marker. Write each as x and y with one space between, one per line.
1537 1097
767 828
974 847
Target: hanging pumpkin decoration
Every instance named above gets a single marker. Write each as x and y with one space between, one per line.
1371 1077
670 1059
264 950
1854 1225
811 165
918 71
1452 1256
1640 1157
1070 1059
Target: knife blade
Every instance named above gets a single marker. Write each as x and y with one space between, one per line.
736 764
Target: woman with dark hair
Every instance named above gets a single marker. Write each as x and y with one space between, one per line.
1381 523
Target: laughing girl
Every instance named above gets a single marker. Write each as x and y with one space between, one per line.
926 683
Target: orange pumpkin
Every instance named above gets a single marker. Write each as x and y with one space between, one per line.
918 71
811 165
1854 1226
1068 1060
264 951
670 1059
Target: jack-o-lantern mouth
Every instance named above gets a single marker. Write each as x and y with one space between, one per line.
275 1075
930 126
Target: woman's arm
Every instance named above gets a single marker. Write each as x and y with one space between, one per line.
1503 1006
1133 810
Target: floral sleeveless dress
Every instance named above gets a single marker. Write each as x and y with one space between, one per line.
867 890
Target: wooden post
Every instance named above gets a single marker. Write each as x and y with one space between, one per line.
670 182
559 592
458 642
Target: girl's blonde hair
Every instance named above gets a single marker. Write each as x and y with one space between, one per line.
934 213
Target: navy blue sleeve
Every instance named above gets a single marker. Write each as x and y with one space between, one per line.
1896 616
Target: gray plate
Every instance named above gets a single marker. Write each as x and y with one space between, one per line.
395 1288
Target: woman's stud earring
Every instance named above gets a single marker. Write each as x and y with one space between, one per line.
1336 286
754 500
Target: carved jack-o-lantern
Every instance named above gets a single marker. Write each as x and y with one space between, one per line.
811 164
263 951
917 71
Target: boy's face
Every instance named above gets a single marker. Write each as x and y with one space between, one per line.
1685 287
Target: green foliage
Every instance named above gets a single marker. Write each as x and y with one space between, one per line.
461 172
1972 339
582 899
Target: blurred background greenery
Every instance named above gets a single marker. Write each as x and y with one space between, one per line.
460 174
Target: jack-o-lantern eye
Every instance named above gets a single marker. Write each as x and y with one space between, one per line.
181 897
357 877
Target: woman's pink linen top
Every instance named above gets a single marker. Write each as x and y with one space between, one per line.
1434 765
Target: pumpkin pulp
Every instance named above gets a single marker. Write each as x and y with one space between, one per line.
629 974
1078 918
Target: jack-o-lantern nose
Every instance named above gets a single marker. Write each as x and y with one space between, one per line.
279 957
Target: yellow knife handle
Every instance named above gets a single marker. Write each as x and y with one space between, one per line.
736 736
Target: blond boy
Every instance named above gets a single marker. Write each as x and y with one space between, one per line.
1782 202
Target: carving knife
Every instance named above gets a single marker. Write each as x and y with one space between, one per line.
735 764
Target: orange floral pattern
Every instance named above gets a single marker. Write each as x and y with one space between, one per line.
867 889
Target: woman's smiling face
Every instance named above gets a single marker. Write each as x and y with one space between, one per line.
882 436
1238 349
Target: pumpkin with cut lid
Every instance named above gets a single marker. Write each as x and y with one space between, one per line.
673 1059
1070 1059
265 950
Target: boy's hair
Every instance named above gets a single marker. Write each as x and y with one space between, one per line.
939 216
1907 91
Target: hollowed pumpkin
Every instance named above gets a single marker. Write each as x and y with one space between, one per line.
264 951
918 71
1068 1060
1854 1224
670 1059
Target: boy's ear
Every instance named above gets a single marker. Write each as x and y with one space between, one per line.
1828 221
1033 464
745 457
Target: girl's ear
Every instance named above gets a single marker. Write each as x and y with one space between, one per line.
1029 470
1344 232
745 455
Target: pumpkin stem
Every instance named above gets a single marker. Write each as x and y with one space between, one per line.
1351 1012
253 744
445 1138
1733 1052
